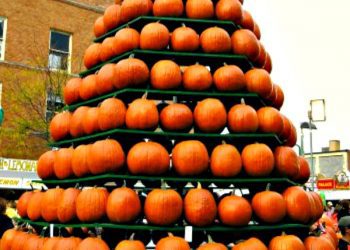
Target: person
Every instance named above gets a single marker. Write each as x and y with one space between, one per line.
5 221
344 227
329 209
344 209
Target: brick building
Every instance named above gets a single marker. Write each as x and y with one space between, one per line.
35 36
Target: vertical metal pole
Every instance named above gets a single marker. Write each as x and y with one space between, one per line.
302 142
311 155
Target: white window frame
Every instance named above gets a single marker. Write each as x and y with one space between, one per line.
2 52
70 47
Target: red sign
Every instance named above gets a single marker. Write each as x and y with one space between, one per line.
324 184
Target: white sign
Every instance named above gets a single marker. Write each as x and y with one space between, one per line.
17 165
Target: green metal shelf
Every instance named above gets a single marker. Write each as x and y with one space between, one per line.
150 57
172 23
252 99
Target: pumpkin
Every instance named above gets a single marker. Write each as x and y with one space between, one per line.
250 244
131 9
125 40
292 138
197 77
318 204
304 171
215 40
313 242
229 78
176 117
71 90
234 211
99 27
34 242
111 16
200 207
105 156
20 240
45 165
67 243
163 207
59 126
286 242
123 205
332 236
184 38
173 8
270 120
245 43
154 36
49 204
130 72
298 204
90 121
165 74
268 63
92 55
76 122
190 158
210 115
278 101
286 128
142 114
112 114
199 9
22 203
211 245
91 204
50 243
106 79
269 206
247 21
258 160
107 50
66 209
88 87
230 10
63 163
286 162
260 60
148 158
256 31
80 165
259 81
7 239
225 161
33 207
130 245
243 118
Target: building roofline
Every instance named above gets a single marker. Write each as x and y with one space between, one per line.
329 152
83 5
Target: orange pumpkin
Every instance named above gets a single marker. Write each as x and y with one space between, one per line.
245 43
199 9
230 10
63 163
99 27
34 242
173 8
66 210
91 204
80 158
107 50
229 78
142 114
298 204
163 207
148 158
125 40
7 239
286 162
50 243
184 39
211 245
270 120
76 122
243 118
258 160
278 101
92 55
105 156
260 60
59 126
22 203
106 78
286 128
210 115
256 31
130 245
112 114
20 240
269 206
250 244
111 16
67 243
45 165
131 9
313 242
176 117
286 242
92 244
130 72
200 207
247 21
88 87
123 205
234 211
90 121
165 74
259 81
197 77
154 36
268 63
292 138
190 158
71 90
49 204
215 39
33 207
304 171
225 161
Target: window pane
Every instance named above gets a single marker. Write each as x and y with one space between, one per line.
58 60
59 41
1 28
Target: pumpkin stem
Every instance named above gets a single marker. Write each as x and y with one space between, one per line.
174 99
163 184
225 64
170 235
199 185
242 101
183 25
210 239
145 95
42 233
132 236
268 186
76 186
283 233
132 55
223 142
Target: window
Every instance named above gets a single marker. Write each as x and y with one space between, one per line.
2 37
60 50
54 103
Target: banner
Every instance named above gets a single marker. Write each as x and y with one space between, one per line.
325 184
17 165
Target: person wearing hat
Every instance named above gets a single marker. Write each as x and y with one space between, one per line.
344 227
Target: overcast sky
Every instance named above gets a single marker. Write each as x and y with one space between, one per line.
309 41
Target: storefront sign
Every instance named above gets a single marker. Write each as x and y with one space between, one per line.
324 184
341 181
17 165
10 182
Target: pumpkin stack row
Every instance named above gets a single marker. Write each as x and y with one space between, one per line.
164 207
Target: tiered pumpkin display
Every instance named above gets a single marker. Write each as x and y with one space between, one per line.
175 93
